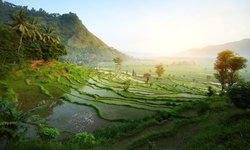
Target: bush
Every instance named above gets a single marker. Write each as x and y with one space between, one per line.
210 91
162 115
126 85
239 94
13 123
4 71
48 133
118 130
202 108
84 139
10 94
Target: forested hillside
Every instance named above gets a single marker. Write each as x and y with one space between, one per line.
83 47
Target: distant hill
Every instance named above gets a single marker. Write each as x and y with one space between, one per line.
83 46
241 47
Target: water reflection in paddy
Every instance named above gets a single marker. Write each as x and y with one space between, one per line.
75 118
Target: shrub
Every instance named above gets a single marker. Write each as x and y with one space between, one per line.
84 139
162 115
202 108
48 133
239 94
210 91
4 71
126 85
13 123
10 94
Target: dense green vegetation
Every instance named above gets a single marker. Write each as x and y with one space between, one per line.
239 94
83 47
46 103
34 42
227 68
160 109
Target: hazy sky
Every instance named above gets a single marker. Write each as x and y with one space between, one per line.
147 28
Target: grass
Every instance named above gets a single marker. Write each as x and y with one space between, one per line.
41 145
110 111
33 86
9 94
43 90
145 116
223 137
211 131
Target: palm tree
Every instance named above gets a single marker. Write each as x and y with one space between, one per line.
34 30
48 35
19 24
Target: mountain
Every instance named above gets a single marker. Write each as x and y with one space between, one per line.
83 47
241 47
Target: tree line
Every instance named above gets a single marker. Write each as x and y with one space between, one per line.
25 39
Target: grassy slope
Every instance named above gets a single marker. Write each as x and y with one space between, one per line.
43 84
221 126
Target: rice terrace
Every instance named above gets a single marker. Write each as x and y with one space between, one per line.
61 87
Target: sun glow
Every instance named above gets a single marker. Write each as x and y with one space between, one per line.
146 28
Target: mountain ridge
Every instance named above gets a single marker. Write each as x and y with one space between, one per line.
241 47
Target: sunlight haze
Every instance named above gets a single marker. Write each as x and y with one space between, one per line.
148 28
124 74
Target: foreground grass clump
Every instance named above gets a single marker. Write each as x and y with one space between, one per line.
84 139
48 134
111 133
10 94
41 145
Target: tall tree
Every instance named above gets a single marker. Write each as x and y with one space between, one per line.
19 24
147 76
236 63
159 70
227 66
118 63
